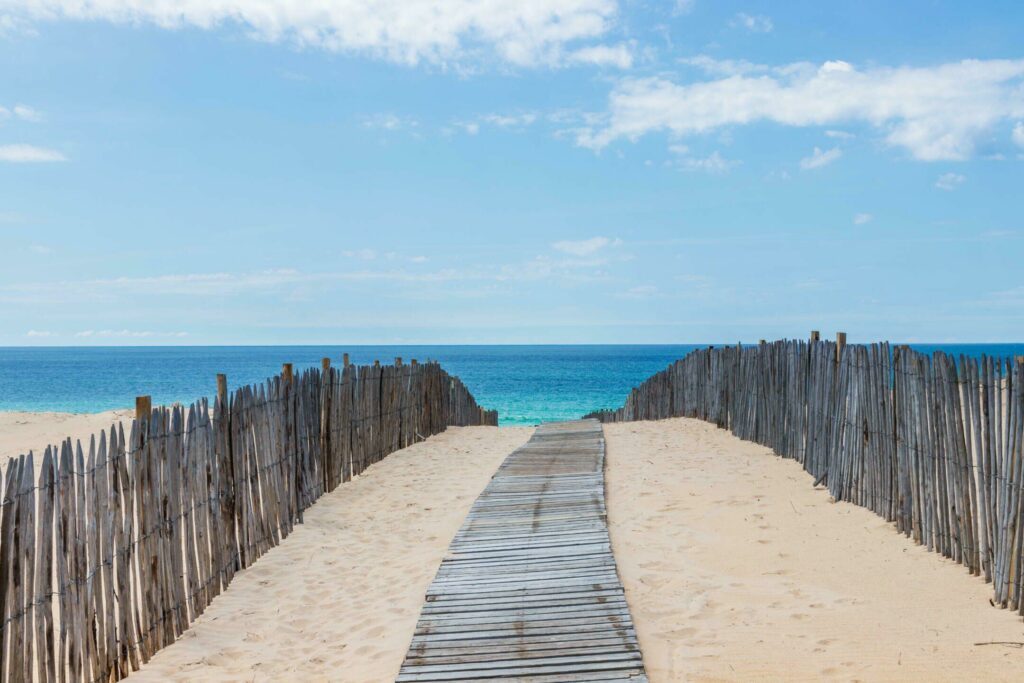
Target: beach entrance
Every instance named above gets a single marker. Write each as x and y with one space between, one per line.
529 589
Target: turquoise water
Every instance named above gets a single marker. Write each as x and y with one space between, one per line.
526 384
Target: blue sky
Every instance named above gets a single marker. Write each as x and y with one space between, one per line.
542 171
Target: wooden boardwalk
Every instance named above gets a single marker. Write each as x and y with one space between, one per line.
528 590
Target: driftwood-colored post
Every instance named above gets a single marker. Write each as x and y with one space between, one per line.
287 373
222 388
840 343
143 407
328 477
815 336
376 363
344 360
413 362
398 361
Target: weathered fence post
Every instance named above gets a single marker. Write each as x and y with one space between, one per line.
815 336
222 388
143 407
344 360
287 373
840 344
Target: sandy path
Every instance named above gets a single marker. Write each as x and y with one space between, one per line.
339 599
735 568
21 432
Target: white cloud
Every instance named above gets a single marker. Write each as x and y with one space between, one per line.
862 218
714 163
39 334
839 135
585 247
1018 134
934 112
753 23
25 154
26 113
950 181
403 31
620 56
510 120
820 158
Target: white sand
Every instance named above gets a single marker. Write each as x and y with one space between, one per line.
21 432
736 569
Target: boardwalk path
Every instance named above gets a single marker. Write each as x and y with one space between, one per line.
528 590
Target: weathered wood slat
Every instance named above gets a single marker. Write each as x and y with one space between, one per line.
528 589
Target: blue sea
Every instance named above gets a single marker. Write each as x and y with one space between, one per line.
526 384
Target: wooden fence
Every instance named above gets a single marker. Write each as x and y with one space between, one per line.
931 443
109 552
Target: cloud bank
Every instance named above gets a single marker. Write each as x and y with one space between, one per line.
445 32
935 113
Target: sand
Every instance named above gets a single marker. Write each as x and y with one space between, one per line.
338 600
21 432
736 568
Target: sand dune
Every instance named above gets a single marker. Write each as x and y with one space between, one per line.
736 569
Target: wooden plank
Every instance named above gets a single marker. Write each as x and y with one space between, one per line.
529 589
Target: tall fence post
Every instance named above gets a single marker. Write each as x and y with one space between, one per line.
815 336
222 388
143 408
840 345
344 360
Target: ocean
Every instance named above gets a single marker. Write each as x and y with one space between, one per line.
526 384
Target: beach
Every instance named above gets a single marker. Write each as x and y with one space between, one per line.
736 568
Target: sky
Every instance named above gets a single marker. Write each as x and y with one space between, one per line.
509 171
